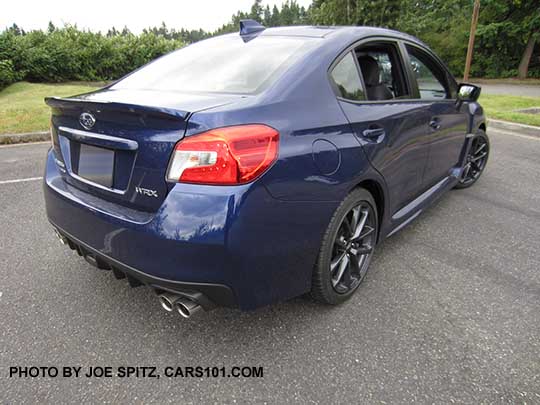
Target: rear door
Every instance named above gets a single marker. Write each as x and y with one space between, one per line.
392 130
447 128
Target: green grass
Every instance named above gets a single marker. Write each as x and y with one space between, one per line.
503 108
22 108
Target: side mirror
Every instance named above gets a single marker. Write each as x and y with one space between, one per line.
468 92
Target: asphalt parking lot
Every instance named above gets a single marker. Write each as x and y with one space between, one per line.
449 312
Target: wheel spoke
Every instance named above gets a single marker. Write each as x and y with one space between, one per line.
354 220
348 227
344 263
360 225
368 230
480 148
335 263
474 159
347 276
466 171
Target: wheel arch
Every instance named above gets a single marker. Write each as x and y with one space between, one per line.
375 188
482 126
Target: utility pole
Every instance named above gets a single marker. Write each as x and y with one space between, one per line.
474 23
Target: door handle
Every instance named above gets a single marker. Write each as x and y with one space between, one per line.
373 132
435 124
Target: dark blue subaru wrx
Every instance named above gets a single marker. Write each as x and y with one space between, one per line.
255 167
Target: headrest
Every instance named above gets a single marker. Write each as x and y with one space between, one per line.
370 70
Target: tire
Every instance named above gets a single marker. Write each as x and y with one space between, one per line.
334 281
479 146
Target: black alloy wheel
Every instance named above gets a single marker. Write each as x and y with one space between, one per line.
347 249
476 160
352 247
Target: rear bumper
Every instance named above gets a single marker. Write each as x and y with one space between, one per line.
205 294
236 245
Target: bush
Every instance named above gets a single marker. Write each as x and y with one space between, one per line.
70 54
7 73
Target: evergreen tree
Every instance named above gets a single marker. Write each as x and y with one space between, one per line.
256 11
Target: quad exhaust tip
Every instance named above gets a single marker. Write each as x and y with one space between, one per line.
187 308
167 301
184 306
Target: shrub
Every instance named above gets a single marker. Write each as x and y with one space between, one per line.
7 73
71 54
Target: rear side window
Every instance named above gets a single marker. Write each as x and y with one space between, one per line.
225 64
382 71
431 79
347 80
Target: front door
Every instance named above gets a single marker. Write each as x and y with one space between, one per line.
447 126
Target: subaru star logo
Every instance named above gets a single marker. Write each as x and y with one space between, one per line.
87 120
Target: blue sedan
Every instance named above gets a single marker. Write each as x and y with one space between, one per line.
251 168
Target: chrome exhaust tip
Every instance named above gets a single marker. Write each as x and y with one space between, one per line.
187 308
62 238
167 301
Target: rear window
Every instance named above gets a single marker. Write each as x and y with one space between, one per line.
224 64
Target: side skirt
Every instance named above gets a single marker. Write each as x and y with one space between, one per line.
412 210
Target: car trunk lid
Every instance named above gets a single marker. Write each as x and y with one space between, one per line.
116 144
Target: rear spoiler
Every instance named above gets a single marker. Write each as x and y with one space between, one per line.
81 103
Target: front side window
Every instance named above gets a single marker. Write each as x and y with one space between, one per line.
223 64
347 80
432 83
382 71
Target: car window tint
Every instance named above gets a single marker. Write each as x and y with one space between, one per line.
430 79
224 64
345 76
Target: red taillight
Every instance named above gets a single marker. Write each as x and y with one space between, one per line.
228 155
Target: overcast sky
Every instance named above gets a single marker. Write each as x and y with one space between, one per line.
100 15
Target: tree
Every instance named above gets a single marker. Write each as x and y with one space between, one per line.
256 11
507 33
531 21
523 67
15 30
276 17
113 32
267 16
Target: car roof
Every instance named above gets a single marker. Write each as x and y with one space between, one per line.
346 32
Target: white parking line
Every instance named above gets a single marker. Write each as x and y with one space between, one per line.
17 145
20 180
